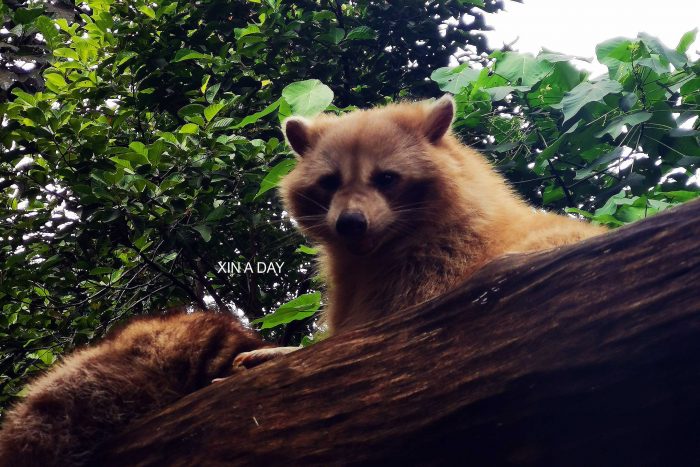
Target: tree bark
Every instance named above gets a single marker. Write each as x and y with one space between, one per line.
583 355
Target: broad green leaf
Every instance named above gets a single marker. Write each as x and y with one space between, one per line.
48 30
542 159
308 98
275 175
211 92
654 64
301 307
361 33
453 80
189 128
187 54
148 11
258 115
204 231
686 41
499 93
675 58
619 49
242 32
552 193
334 35
56 80
211 111
139 148
45 355
190 110
585 93
601 161
519 68
614 128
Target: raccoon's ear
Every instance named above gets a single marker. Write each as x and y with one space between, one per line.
297 133
439 119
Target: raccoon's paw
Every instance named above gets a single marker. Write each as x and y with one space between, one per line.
256 357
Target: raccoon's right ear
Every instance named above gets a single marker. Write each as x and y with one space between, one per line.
439 119
297 132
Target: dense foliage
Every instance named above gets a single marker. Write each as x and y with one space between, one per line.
614 148
140 139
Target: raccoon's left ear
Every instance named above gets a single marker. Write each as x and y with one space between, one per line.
439 119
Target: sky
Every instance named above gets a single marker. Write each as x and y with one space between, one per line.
575 27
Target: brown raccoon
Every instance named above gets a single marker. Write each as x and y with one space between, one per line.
97 391
401 211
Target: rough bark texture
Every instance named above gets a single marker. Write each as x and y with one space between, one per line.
585 355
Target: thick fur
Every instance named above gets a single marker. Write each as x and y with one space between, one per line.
449 213
97 391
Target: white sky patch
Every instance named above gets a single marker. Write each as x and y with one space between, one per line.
575 28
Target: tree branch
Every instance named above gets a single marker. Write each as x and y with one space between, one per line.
582 355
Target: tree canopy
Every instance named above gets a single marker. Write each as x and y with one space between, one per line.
140 146
140 141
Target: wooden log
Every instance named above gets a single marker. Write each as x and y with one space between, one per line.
583 355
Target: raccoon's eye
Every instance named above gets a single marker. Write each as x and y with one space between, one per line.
329 182
386 179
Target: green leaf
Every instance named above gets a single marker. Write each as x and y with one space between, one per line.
334 35
139 148
211 92
308 98
190 110
616 55
45 355
586 93
498 93
48 30
542 159
242 32
204 231
306 250
258 115
148 11
211 111
56 79
187 54
522 68
453 80
595 165
301 307
189 128
65 52
479 3
686 41
675 58
552 193
654 64
275 175
616 125
217 214
361 33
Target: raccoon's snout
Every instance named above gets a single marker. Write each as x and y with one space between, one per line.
351 224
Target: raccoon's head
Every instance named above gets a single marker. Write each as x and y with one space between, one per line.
366 178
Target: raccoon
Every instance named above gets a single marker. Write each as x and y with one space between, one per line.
98 390
401 211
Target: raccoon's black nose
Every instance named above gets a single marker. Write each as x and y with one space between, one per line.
351 224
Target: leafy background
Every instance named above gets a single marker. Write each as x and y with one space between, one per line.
140 146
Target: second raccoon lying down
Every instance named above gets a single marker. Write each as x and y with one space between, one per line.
401 211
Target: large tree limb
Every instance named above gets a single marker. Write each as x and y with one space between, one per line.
585 355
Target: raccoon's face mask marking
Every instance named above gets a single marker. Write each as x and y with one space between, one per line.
362 180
